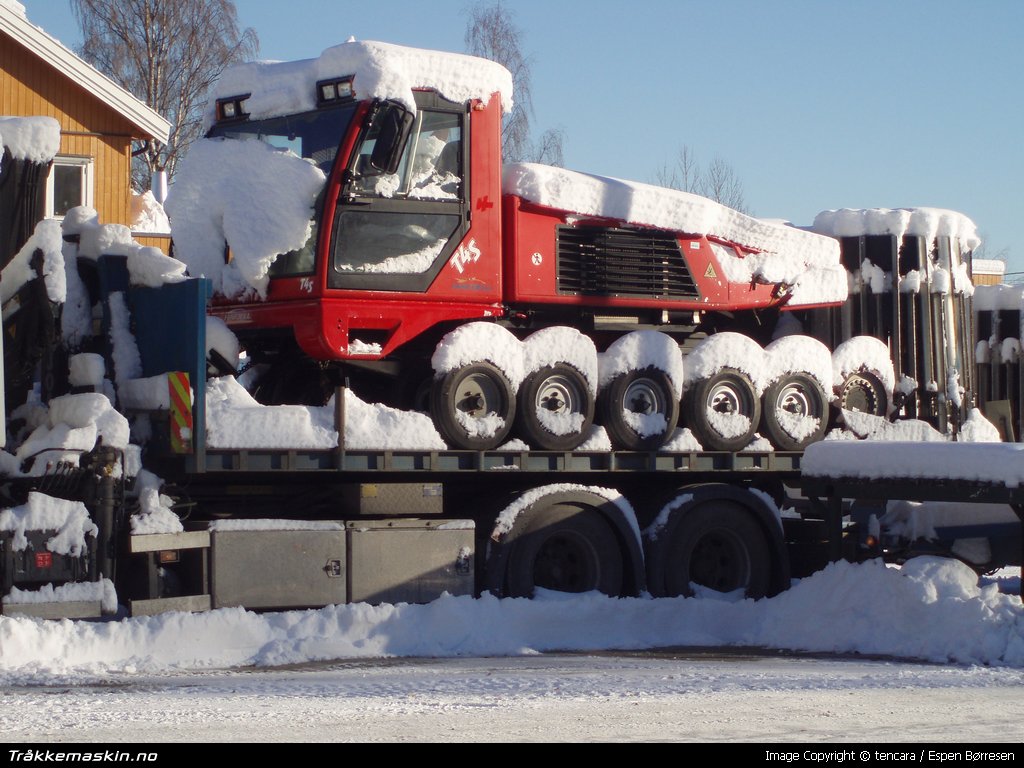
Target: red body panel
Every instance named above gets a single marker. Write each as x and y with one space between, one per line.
531 267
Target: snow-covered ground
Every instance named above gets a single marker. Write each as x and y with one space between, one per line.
487 669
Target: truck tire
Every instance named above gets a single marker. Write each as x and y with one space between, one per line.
639 409
712 408
566 548
556 408
473 407
716 544
863 391
794 412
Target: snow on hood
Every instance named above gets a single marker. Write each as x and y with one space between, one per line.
379 70
924 222
807 261
30 138
268 215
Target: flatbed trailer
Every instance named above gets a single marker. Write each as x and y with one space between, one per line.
283 528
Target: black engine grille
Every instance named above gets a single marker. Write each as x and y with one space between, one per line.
604 261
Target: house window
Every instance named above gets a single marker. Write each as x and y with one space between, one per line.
68 185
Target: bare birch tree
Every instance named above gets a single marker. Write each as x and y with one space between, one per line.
492 34
167 53
718 181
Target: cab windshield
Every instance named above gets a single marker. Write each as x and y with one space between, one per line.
314 136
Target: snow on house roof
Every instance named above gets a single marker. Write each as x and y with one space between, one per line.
807 261
924 222
16 25
379 70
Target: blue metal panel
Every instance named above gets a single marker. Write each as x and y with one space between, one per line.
170 328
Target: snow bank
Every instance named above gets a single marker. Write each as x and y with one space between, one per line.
928 223
72 426
933 610
380 70
806 262
36 139
267 215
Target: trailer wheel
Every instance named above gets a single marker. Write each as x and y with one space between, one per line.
863 391
723 410
473 407
717 545
794 412
639 409
566 548
556 408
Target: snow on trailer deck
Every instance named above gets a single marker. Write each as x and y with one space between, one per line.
989 473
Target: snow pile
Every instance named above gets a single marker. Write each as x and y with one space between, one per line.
506 520
101 592
643 349
148 215
933 610
36 139
729 350
996 297
235 420
72 426
807 263
156 511
68 519
267 215
800 354
46 238
147 265
917 459
380 70
864 354
928 223
478 342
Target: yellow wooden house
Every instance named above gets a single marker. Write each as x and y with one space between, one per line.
98 118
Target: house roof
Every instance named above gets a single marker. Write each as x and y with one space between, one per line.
14 24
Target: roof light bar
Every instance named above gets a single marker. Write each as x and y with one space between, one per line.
232 108
328 91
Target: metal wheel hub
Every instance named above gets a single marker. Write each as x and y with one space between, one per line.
720 562
478 396
565 563
558 395
796 400
643 396
725 398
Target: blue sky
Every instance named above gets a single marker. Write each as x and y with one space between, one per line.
815 104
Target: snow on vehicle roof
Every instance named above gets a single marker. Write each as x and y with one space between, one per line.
806 260
379 70
925 222
30 138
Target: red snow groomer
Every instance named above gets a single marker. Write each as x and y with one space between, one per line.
522 298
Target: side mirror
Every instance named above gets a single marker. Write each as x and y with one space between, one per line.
395 124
